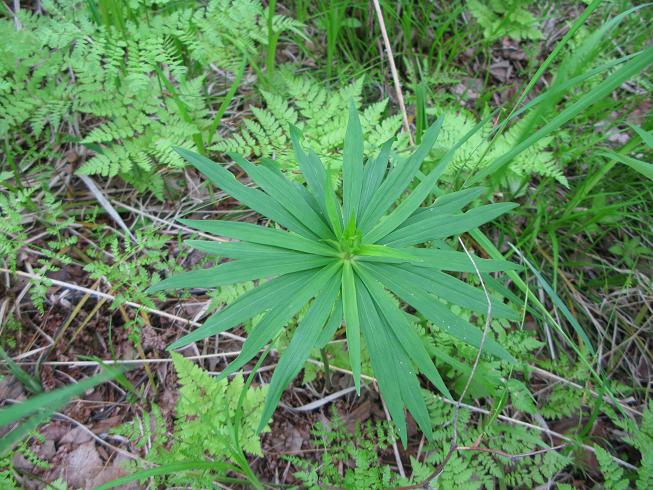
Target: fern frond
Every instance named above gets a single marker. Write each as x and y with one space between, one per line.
320 113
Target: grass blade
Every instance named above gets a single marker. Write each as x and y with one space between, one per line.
644 168
598 93
558 303
39 408
168 469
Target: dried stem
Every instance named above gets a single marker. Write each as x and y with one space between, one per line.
393 69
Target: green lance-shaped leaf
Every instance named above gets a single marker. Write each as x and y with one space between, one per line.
404 331
352 322
352 164
435 226
248 232
448 288
285 193
255 199
279 316
239 271
248 305
436 312
382 356
398 179
373 174
301 344
311 167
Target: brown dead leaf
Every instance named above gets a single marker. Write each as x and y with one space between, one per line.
82 465
76 437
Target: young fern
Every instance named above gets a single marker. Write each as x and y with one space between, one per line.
320 113
349 260
481 149
139 86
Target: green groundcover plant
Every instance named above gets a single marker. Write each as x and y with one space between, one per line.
349 259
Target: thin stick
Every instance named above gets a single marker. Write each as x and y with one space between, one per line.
99 294
106 205
486 328
125 362
322 401
395 448
393 69
454 438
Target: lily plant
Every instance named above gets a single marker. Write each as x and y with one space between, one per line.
356 257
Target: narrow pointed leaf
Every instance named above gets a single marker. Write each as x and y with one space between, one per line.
52 400
644 168
352 163
383 251
352 322
448 288
242 250
628 70
285 193
404 332
303 340
438 313
311 168
373 174
411 393
247 306
450 260
332 206
413 201
248 232
255 199
382 354
647 136
558 302
303 192
398 179
238 271
432 227
448 204
278 317
332 325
